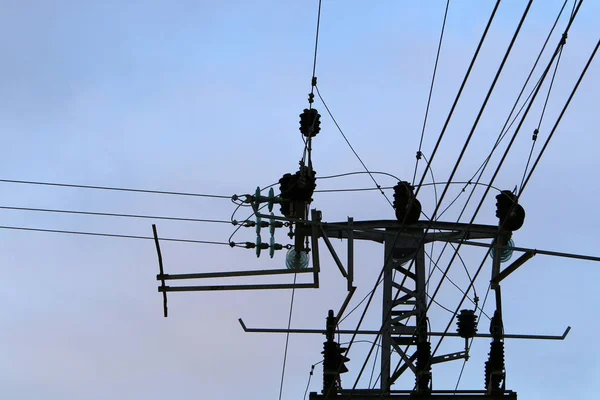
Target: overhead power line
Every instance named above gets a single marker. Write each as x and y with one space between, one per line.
467 141
104 214
459 93
437 58
548 67
112 235
121 189
350 145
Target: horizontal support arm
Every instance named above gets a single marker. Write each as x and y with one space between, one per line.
373 332
226 274
534 251
236 287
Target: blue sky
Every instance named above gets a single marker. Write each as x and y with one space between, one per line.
204 97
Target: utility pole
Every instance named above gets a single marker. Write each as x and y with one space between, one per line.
405 336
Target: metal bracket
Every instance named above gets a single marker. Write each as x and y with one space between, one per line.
448 357
512 267
161 270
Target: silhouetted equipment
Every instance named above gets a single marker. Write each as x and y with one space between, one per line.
296 192
494 368
510 213
408 208
333 359
423 367
467 324
467 327
310 122
495 373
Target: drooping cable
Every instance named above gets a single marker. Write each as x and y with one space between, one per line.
350 145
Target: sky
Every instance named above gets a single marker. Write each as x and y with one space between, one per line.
204 97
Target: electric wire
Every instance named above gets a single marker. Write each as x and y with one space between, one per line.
241 224
374 363
483 106
287 339
436 264
466 143
561 43
114 188
507 123
474 279
308 141
537 130
505 129
312 370
358 173
467 183
112 235
106 214
562 113
350 145
460 90
437 58
314 69
360 302
435 193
